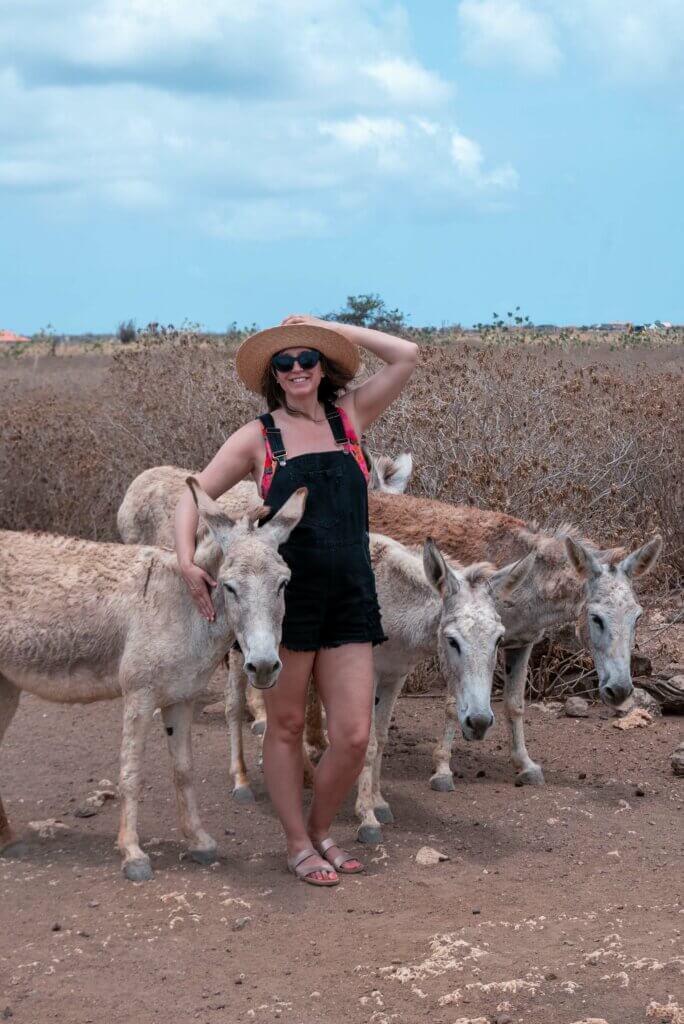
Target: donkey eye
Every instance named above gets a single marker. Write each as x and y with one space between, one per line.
231 590
453 642
281 586
598 620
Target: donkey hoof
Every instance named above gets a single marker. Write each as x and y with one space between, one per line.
243 794
259 727
369 834
204 856
16 849
137 870
384 814
533 776
442 783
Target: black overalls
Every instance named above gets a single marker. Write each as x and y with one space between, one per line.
331 598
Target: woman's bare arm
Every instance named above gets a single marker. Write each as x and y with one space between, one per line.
371 398
235 460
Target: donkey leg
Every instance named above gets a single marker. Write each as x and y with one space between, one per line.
387 690
314 734
138 710
369 831
443 780
9 702
236 689
178 724
257 708
314 741
515 660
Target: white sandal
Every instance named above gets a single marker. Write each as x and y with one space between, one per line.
304 874
341 859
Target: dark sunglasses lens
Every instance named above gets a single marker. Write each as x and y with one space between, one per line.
308 359
283 363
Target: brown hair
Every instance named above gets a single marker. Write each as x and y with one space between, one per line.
334 382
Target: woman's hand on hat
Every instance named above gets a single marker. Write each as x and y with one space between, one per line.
303 318
199 582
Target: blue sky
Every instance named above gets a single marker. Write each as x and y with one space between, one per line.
244 159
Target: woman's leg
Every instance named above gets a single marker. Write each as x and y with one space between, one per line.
344 677
282 749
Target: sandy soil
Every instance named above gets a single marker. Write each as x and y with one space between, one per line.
557 904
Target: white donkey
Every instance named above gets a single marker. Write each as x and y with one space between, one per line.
82 621
428 608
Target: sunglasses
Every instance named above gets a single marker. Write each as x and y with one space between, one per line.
307 359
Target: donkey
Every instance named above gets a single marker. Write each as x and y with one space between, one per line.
428 607
572 579
83 621
145 515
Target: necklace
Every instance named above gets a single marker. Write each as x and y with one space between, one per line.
296 414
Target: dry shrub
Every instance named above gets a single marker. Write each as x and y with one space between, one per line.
541 434
547 436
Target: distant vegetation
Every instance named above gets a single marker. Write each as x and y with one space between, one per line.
370 311
127 332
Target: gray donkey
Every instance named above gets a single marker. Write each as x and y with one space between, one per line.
572 580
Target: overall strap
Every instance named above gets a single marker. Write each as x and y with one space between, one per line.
274 438
345 435
336 425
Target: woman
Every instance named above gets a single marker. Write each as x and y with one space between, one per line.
331 610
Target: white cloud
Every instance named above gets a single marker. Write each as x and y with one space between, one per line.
468 157
408 83
363 132
633 39
247 118
510 32
639 40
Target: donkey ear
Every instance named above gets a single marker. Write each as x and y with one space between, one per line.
439 574
220 525
393 475
583 561
506 580
286 518
644 558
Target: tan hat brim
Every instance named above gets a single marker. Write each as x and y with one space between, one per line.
255 353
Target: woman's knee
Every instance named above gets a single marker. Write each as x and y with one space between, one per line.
352 741
287 726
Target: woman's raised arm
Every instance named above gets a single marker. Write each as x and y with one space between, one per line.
371 398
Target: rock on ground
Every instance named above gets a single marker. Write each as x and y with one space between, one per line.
634 720
427 856
643 699
576 707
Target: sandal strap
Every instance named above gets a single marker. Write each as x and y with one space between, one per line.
298 860
341 858
302 856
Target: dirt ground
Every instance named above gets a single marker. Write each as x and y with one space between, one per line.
557 904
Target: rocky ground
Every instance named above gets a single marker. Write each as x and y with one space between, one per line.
556 904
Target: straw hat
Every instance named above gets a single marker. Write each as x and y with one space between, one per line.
254 354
